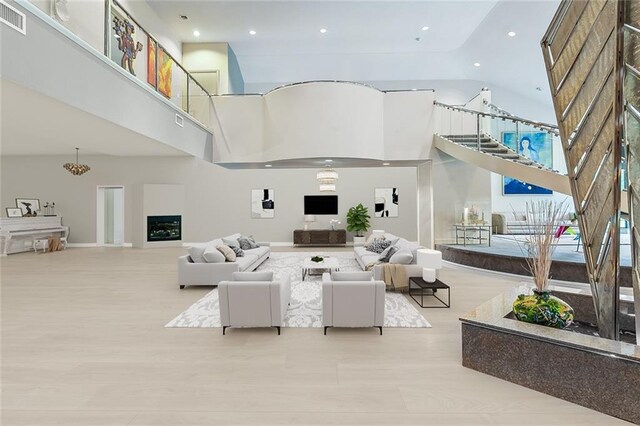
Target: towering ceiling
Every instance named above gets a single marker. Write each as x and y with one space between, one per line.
375 40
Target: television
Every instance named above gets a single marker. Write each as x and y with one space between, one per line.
320 204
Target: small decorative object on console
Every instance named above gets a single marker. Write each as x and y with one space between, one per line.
317 259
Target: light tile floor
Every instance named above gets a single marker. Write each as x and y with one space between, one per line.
83 343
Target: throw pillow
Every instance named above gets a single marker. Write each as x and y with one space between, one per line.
229 254
373 237
196 254
253 276
213 255
247 243
402 257
237 250
378 245
387 253
230 242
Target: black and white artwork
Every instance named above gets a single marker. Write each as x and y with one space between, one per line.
28 206
386 202
262 204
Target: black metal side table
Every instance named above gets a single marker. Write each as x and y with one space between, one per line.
417 283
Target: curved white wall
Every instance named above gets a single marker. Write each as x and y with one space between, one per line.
323 120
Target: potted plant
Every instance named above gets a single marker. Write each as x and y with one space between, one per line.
541 307
358 223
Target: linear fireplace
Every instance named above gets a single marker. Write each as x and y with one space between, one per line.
164 228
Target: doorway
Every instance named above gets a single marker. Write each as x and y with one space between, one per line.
110 216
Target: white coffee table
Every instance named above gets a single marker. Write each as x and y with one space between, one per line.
329 264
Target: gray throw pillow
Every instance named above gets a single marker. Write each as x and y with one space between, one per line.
387 253
230 242
213 255
237 250
402 257
247 243
378 245
195 253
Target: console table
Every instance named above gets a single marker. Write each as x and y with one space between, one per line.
320 237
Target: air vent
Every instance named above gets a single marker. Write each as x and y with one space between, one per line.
12 17
179 120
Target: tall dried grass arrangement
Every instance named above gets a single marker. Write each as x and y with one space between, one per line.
543 219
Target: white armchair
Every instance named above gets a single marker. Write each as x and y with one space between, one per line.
352 299
254 299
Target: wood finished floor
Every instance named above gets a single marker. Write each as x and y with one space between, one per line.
83 343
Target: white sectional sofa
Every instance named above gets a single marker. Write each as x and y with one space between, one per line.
210 274
364 257
516 222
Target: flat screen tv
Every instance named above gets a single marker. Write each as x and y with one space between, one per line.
320 204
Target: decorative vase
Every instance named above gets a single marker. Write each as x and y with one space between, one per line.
544 309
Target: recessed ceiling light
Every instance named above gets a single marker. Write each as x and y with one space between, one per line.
252 32
196 33
323 30
328 161
268 165
414 89
476 64
425 28
386 164
511 34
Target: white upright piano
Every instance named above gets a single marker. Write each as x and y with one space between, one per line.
17 233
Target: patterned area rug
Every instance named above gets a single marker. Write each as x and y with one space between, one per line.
306 298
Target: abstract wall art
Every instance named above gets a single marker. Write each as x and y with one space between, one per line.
386 202
262 204
536 146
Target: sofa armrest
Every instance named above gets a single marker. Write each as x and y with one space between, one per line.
327 300
280 298
205 273
380 290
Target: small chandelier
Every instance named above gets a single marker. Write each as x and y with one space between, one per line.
76 168
327 179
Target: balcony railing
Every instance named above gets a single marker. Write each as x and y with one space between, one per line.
128 44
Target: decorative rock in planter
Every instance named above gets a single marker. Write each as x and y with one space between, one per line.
543 308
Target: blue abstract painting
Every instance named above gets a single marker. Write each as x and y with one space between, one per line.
537 146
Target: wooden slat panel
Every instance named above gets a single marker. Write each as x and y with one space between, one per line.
583 140
601 32
633 13
576 41
590 166
600 229
632 90
602 69
606 285
566 27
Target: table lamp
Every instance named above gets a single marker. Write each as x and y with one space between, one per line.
308 218
431 261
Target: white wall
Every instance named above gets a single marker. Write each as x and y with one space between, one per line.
208 57
217 200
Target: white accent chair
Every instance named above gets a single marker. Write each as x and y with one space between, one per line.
254 299
352 299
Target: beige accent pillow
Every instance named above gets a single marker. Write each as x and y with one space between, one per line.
373 237
228 253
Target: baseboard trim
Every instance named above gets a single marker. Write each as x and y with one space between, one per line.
94 245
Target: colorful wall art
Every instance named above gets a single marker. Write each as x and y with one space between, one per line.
536 146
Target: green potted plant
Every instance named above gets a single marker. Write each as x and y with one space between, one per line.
541 307
358 222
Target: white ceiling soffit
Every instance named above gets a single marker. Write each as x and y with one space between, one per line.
374 40
35 124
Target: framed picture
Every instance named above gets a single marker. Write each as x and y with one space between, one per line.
262 204
14 212
151 61
386 202
538 147
28 206
165 65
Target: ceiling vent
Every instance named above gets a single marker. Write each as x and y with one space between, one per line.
10 16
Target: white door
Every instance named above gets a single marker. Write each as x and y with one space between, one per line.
110 216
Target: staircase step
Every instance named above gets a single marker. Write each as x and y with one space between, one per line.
508 156
496 150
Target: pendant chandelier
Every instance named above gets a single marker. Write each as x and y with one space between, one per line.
76 168
327 179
